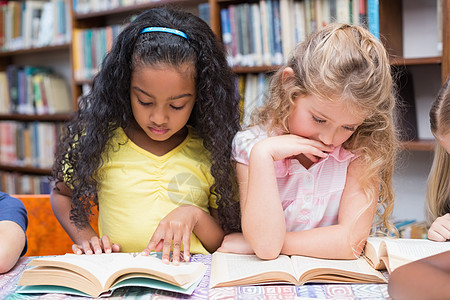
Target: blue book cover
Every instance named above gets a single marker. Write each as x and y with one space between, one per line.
373 17
271 34
226 34
278 47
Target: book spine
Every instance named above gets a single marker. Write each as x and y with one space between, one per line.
373 17
226 34
257 34
278 47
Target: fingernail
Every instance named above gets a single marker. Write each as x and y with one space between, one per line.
89 252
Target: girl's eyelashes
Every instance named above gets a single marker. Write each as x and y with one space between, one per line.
177 107
143 103
318 120
150 103
349 128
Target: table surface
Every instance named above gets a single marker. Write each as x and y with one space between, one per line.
8 286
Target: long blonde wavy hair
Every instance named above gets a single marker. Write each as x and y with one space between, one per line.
438 189
345 63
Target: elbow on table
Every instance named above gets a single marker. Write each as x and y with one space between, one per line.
263 251
7 261
348 251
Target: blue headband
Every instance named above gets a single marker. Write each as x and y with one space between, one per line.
164 29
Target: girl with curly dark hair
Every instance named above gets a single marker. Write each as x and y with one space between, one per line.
151 144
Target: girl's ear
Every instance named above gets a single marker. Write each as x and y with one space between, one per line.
287 72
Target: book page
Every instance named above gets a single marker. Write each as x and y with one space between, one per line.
106 267
237 269
371 252
310 269
402 251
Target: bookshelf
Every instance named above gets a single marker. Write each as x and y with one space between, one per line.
411 32
396 17
35 40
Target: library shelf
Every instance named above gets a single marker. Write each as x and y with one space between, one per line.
120 10
29 118
36 50
418 145
26 170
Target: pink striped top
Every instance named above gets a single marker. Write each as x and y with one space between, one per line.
310 197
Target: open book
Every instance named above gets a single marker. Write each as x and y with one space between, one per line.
229 269
391 253
99 275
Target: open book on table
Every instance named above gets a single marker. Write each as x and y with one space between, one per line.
229 269
99 275
391 253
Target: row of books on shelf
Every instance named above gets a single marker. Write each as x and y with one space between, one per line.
33 90
29 144
87 6
90 47
16 183
411 229
30 24
253 90
265 32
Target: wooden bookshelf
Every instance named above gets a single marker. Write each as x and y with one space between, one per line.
42 118
419 145
391 30
36 50
123 10
25 170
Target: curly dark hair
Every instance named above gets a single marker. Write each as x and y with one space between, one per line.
107 107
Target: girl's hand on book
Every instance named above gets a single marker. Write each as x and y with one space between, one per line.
440 229
235 243
174 229
290 145
96 245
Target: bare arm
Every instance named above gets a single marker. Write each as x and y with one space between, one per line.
427 278
209 231
12 239
344 240
61 206
260 201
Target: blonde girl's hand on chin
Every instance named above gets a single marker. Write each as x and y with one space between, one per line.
290 145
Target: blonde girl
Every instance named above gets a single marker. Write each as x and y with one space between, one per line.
316 166
438 189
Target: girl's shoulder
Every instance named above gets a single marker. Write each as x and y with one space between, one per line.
244 141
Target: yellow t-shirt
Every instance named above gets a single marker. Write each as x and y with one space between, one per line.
139 188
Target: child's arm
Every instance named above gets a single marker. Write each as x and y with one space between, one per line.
263 223
85 239
427 278
346 239
440 229
176 228
12 243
